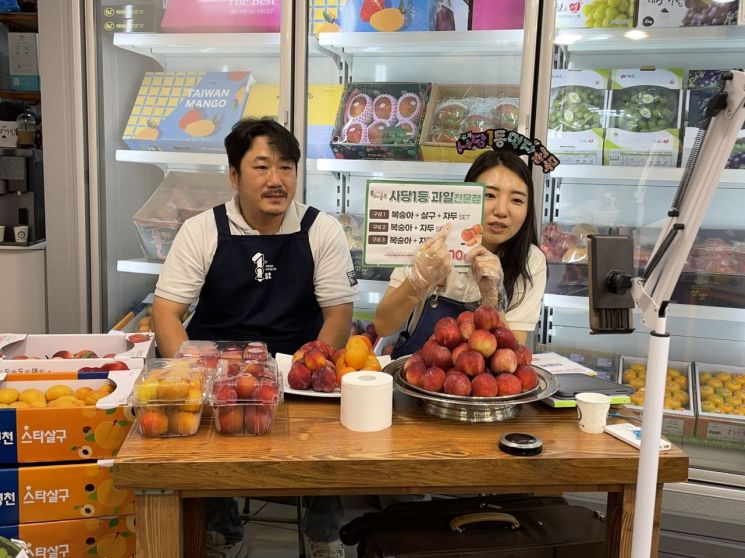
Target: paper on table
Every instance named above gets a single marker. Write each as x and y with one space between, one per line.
557 364
632 435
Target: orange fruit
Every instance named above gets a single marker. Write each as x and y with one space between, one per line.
356 356
372 363
341 371
340 363
357 340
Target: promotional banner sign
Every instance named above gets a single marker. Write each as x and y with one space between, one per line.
400 216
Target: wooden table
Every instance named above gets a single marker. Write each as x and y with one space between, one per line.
309 452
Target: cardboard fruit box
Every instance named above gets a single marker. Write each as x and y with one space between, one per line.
62 416
95 536
456 109
186 111
180 196
380 121
579 14
21 352
395 16
720 404
54 492
677 418
692 13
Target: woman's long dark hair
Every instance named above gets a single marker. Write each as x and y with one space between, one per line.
514 252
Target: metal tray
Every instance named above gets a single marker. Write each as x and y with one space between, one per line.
472 409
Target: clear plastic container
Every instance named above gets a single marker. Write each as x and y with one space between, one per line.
168 397
209 352
244 399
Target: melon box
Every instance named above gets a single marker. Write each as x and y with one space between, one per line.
456 109
380 121
577 115
53 492
720 404
95 536
645 118
186 111
677 419
64 416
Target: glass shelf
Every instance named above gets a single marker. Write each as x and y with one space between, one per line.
730 177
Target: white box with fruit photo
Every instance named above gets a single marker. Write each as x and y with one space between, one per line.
456 109
644 118
577 115
73 352
579 14
677 418
720 404
691 13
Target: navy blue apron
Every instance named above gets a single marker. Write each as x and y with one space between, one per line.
435 308
259 288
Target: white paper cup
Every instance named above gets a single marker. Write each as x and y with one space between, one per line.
21 233
592 410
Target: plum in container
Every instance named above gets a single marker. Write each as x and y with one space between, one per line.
168 397
208 353
244 402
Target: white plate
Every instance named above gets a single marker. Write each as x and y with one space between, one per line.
284 362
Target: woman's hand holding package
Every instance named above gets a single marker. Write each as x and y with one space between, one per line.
431 263
487 269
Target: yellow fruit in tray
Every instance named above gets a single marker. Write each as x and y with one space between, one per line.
32 396
639 366
734 401
740 410
682 381
708 406
147 390
55 392
80 393
705 391
628 375
672 404
732 385
681 396
716 399
93 397
714 382
723 376
8 395
19 405
200 128
66 401
172 389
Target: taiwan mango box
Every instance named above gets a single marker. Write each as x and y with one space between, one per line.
455 109
96 536
33 353
578 14
380 121
677 417
186 111
396 16
577 115
93 426
56 492
645 118
691 13
721 420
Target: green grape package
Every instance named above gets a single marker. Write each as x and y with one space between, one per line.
701 88
691 13
577 115
644 118
577 14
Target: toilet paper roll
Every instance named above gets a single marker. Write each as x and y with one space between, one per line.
366 401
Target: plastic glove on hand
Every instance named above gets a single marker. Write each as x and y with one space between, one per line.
487 270
431 263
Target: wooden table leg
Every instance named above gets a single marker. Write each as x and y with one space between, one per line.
195 527
159 525
619 522
656 525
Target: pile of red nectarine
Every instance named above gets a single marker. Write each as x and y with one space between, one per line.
474 355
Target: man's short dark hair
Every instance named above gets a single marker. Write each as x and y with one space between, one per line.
245 131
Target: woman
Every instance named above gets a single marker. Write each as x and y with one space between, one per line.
507 269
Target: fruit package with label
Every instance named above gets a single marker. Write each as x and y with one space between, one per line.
644 118
168 397
720 404
244 397
574 14
678 418
578 115
107 537
181 195
64 416
353 230
209 353
566 243
186 111
222 16
456 109
54 492
398 16
691 13
380 121
701 86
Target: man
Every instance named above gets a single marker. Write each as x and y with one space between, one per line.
264 267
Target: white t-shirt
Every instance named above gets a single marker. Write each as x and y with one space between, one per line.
460 285
191 253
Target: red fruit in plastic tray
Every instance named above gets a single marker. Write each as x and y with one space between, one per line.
445 136
376 132
551 231
505 116
450 114
354 132
409 106
409 127
477 123
359 107
384 108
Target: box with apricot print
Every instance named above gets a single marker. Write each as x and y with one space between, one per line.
168 396
186 111
52 492
64 416
720 405
678 418
380 121
107 537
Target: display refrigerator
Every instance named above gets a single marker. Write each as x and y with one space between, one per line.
381 89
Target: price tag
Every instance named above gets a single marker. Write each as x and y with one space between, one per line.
400 216
725 432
